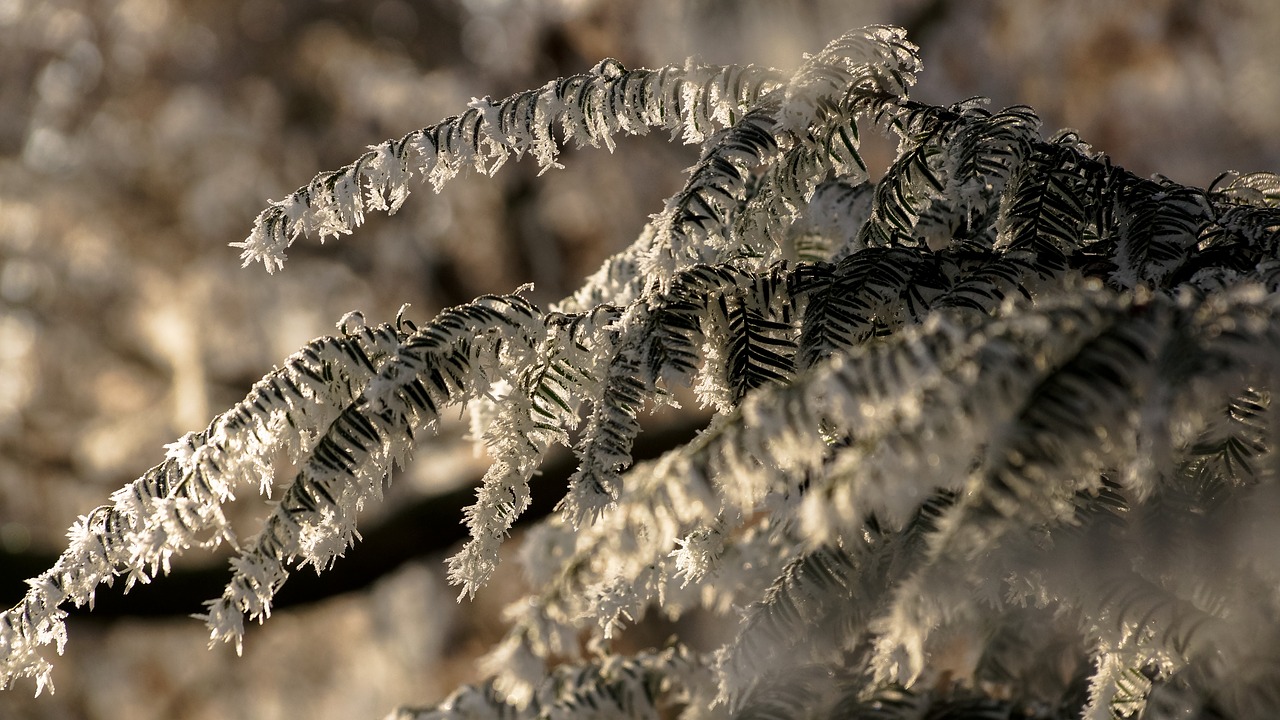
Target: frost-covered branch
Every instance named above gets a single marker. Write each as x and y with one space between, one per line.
177 505
1005 406
589 109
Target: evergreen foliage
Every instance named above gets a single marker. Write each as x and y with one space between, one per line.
991 439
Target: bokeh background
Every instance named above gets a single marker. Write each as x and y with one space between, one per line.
139 137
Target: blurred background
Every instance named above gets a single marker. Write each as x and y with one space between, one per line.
139 137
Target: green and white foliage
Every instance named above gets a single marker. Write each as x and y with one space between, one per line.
991 439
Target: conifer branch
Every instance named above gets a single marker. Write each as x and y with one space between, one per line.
939 398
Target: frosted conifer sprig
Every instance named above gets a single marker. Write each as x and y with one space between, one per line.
589 108
645 685
177 505
656 502
454 358
793 142
538 411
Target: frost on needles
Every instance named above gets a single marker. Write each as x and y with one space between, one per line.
1007 397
